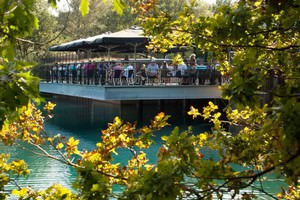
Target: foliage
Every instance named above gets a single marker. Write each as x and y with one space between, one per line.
97 171
19 120
58 25
263 110
102 17
177 59
257 44
17 85
35 46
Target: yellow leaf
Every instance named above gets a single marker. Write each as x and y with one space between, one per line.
49 106
194 112
73 142
149 167
59 146
257 3
84 7
117 121
20 193
203 137
164 138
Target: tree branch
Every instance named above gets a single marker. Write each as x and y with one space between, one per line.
252 177
255 176
263 191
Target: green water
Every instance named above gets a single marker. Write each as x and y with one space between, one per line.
73 120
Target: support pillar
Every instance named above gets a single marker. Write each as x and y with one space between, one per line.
139 108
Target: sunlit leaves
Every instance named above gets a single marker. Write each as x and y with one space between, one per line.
160 121
18 86
10 170
257 46
209 109
71 146
99 163
49 106
52 3
55 191
177 59
19 167
59 146
119 6
27 127
292 193
84 7
247 115
21 192
194 112
16 167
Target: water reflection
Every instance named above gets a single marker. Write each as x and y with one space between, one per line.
43 171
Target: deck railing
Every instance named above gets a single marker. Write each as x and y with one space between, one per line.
78 73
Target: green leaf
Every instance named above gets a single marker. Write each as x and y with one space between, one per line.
257 3
52 3
119 6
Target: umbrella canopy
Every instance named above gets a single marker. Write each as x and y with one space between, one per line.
127 36
68 46
118 41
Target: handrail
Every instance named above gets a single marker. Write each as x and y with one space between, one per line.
70 73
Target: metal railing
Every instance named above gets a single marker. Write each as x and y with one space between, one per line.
79 73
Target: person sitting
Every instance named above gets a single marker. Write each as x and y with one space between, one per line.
182 72
141 75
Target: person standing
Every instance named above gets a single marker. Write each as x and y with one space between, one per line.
72 67
192 68
181 72
101 69
152 71
90 68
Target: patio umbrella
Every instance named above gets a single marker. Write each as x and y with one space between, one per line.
117 40
133 37
68 46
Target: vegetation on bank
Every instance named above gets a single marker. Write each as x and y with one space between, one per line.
263 96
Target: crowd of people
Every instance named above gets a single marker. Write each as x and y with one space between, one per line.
189 72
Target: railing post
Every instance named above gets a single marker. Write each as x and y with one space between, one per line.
80 74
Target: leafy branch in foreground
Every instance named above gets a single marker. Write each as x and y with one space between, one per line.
256 44
184 168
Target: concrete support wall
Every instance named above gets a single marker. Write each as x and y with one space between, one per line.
100 113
